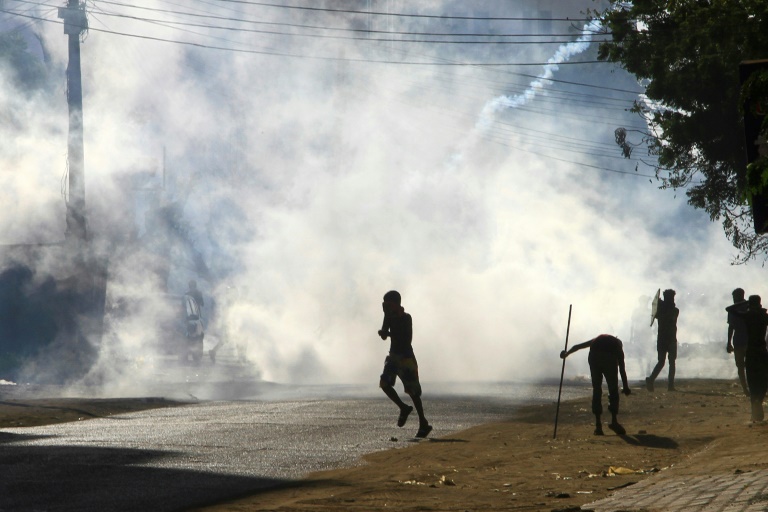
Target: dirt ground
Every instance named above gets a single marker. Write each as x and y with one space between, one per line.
703 428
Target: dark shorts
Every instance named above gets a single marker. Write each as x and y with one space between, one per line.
404 367
667 350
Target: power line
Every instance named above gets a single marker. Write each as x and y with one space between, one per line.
31 22
445 17
507 89
402 15
365 31
358 60
497 136
347 38
493 138
540 111
311 57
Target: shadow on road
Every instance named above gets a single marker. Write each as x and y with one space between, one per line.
81 478
10 437
650 441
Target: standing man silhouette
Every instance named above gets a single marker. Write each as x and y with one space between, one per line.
737 335
666 339
756 364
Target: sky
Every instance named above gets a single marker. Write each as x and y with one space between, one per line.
317 173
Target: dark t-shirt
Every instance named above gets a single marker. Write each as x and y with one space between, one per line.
667 317
756 322
608 347
400 329
736 321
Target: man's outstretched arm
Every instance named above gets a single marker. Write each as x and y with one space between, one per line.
575 348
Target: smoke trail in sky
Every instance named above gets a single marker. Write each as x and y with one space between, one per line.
563 54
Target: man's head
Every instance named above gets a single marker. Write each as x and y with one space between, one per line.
669 294
738 295
391 301
754 302
392 296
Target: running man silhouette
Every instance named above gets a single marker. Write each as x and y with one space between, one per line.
401 362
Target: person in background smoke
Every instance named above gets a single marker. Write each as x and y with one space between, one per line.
756 363
194 326
737 335
606 360
640 334
401 361
195 293
666 339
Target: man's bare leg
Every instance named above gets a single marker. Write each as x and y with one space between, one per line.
405 409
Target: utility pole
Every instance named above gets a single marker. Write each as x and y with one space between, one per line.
75 23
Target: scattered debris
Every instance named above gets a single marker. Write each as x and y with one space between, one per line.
411 482
446 481
614 470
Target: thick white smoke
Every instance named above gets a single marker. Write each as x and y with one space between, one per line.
311 187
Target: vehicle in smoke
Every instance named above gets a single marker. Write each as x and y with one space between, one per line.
163 324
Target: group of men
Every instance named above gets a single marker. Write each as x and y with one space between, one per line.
747 324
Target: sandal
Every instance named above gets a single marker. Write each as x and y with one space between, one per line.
424 431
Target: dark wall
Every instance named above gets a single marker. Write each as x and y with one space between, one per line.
50 326
27 317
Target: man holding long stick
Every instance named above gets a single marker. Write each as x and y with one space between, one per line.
606 360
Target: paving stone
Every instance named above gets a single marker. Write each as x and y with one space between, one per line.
743 492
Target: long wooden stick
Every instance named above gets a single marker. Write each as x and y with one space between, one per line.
562 372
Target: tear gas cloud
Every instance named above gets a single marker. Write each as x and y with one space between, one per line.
312 186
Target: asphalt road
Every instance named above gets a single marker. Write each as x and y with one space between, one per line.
176 458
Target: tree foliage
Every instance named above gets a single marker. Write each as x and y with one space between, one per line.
687 53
